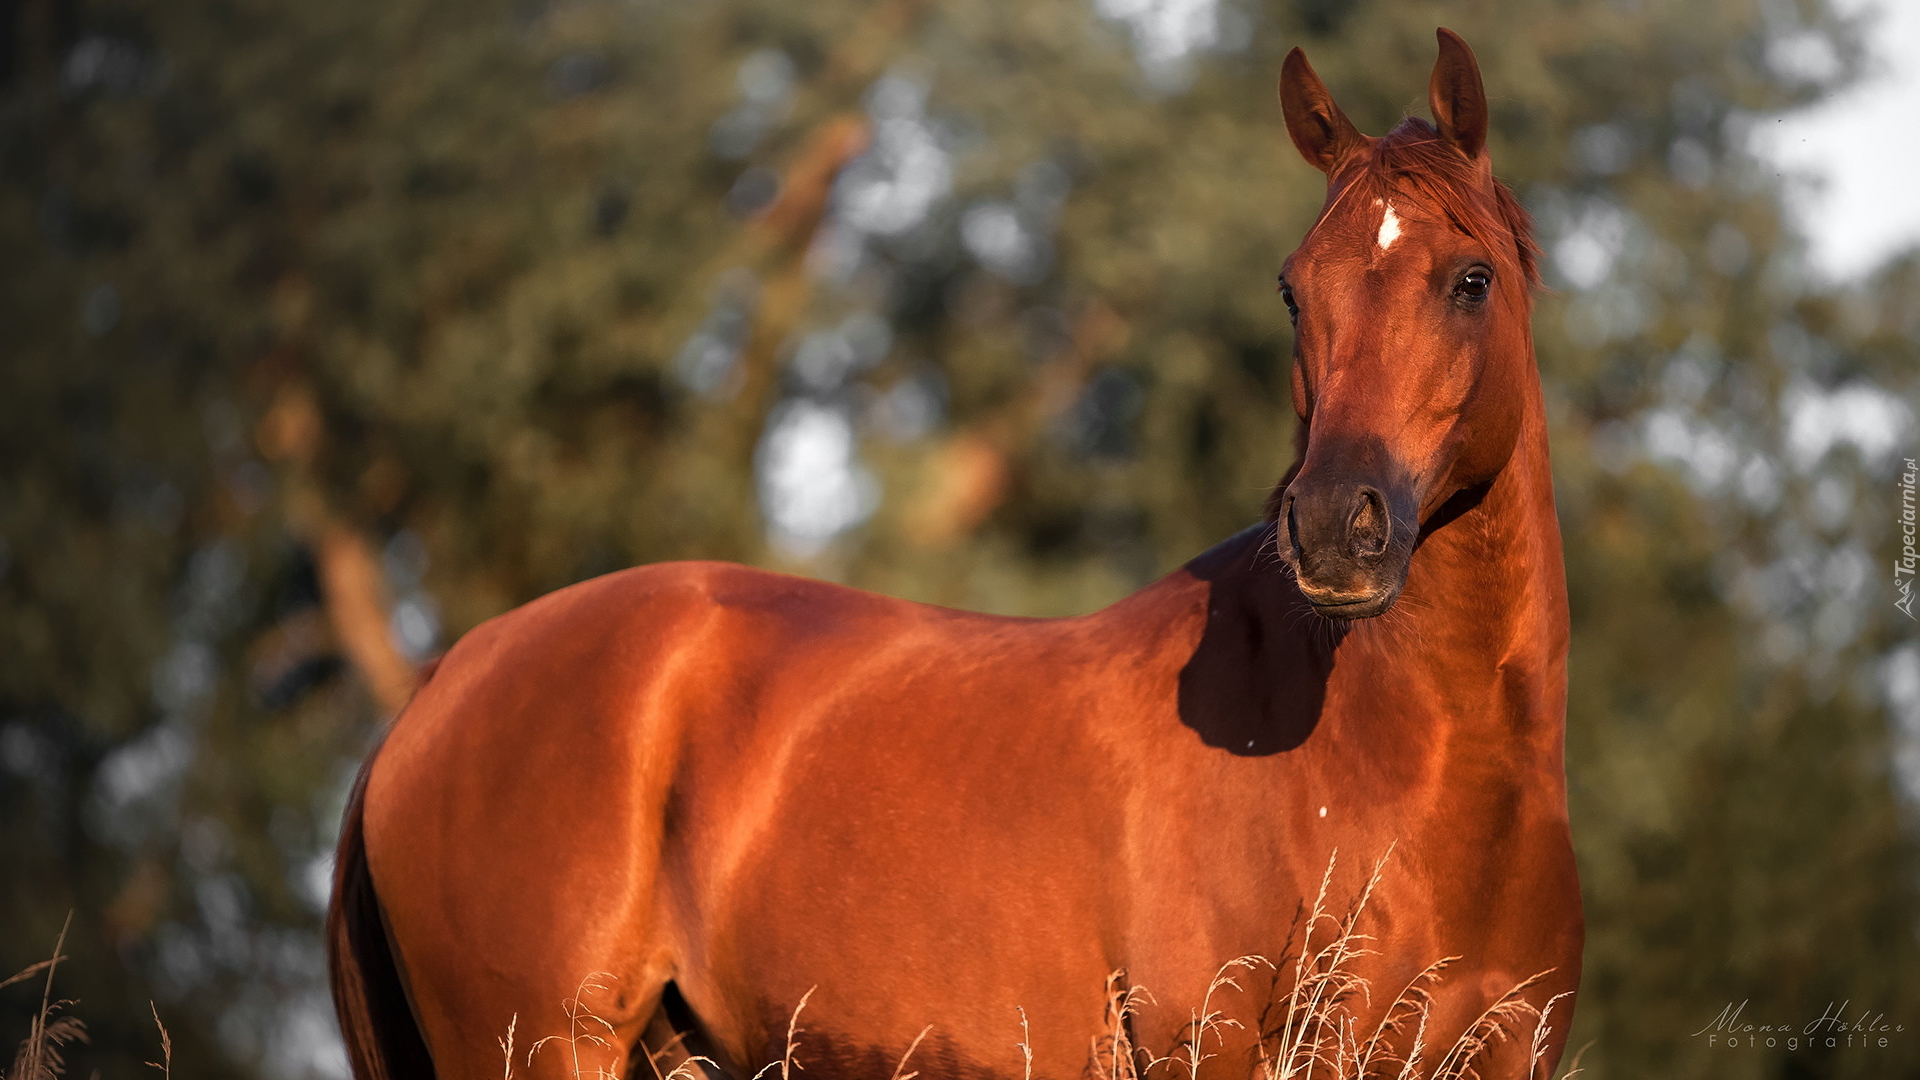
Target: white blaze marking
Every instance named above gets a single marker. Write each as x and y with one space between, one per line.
1323 811
1389 228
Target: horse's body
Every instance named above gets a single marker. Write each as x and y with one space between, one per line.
749 785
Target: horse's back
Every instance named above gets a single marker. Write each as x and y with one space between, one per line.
580 663
588 688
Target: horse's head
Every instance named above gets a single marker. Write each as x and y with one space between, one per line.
1412 359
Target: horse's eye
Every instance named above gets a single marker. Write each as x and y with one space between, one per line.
1286 297
1474 286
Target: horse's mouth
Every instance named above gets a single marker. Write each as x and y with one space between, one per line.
1347 606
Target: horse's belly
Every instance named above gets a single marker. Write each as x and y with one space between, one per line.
906 871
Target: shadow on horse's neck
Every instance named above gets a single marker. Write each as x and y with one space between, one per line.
1257 682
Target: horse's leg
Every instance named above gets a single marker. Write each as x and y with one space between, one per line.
570 1001
562 966
561 972
515 818
673 1041
515 859
551 1040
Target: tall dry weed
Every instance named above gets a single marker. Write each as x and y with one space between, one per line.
165 1064
42 1053
1315 1030
584 1027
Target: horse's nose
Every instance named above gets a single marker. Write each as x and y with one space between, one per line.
1348 521
1337 537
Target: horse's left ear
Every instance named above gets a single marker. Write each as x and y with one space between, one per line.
1457 97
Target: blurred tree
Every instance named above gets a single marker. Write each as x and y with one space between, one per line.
332 330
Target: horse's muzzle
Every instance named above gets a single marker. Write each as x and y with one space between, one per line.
1348 553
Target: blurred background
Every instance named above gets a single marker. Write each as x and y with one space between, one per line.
332 329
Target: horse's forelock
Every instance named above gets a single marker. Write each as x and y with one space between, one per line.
1413 160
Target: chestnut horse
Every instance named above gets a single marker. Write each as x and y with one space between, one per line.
725 788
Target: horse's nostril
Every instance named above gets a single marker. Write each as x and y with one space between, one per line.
1369 528
1293 531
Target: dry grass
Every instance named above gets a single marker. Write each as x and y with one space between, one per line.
506 1046
897 1074
1317 1029
689 1066
42 1053
1316 1032
1114 1053
589 1029
786 1064
165 1064
584 1027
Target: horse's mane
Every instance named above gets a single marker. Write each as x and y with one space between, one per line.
1413 160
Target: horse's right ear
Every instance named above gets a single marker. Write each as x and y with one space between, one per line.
1320 130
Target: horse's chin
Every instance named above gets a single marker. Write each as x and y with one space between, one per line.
1349 607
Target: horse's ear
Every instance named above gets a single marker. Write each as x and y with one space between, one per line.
1322 132
1457 97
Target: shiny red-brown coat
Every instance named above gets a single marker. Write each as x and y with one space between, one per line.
750 786
755 785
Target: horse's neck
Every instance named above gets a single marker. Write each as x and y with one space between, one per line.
1479 633
1493 595
1490 585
